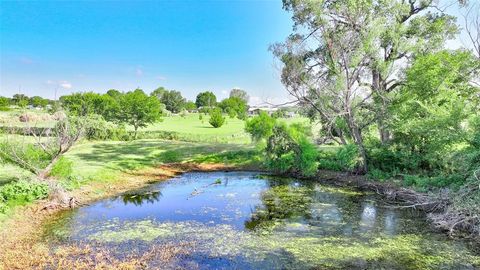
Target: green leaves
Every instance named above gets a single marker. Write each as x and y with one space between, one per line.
138 109
216 118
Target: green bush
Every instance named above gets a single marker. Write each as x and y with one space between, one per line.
289 151
32 154
98 128
21 192
347 157
307 157
216 118
62 168
260 127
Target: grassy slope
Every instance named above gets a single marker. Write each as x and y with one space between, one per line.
93 160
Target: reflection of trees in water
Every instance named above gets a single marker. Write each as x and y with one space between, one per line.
329 212
281 202
139 199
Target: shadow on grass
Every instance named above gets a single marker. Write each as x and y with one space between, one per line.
138 154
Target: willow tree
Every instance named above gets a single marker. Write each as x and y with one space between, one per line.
345 59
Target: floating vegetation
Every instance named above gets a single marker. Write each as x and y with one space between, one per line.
307 250
252 223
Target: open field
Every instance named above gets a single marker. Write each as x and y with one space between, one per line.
96 161
38 118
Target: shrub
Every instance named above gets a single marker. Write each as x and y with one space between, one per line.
307 157
289 150
347 157
216 118
260 127
97 128
62 168
32 155
21 192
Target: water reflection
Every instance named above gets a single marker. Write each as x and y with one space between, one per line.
281 223
139 199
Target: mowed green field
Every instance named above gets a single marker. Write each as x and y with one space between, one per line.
191 128
103 159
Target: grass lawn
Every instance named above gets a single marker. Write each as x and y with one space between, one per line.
10 172
191 128
95 160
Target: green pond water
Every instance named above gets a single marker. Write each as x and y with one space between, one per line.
246 220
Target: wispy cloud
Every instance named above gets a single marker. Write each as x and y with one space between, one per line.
62 84
138 71
65 85
161 78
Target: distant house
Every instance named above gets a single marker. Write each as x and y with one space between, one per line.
256 110
290 114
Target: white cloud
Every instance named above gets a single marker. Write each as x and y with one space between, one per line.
62 84
224 92
139 71
161 78
65 85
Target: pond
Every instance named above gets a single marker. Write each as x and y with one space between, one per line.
248 220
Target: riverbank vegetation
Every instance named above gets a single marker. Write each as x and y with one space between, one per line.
384 85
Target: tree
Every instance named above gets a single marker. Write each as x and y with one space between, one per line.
138 109
114 93
38 102
206 99
158 93
239 93
88 103
260 127
173 100
4 103
344 59
20 100
234 105
434 104
216 118
190 106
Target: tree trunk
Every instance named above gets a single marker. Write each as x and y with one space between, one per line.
362 167
43 174
135 132
379 87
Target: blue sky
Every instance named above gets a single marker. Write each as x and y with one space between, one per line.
189 46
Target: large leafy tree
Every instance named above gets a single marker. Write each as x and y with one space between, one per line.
158 93
235 106
344 59
239 93
206 99
39 102
432 110
173 100
138 109
88 103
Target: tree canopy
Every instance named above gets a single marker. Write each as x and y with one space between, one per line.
206 99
